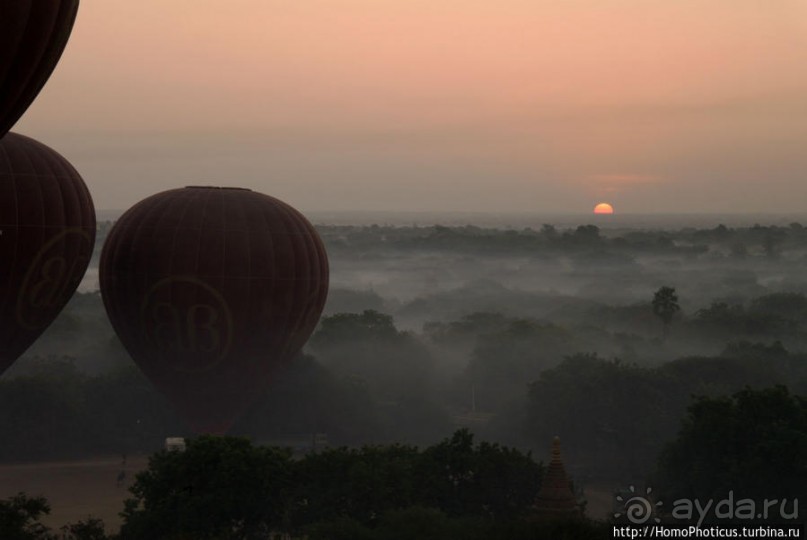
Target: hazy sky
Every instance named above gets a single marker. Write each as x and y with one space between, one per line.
428 105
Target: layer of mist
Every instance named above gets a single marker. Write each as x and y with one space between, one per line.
519 334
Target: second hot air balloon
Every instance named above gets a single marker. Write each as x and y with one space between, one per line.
211 290
47 235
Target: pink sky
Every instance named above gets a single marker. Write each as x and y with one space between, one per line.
523 105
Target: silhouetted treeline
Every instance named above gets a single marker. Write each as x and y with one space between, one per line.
766 241
221 488
615 417
747 449
227 486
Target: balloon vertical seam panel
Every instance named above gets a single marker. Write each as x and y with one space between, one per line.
33 37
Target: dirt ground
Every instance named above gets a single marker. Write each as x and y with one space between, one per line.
600 500
75 489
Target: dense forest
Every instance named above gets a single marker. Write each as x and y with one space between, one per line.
635 347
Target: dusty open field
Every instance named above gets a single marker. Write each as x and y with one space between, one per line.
75 489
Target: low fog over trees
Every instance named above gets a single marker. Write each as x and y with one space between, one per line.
636 347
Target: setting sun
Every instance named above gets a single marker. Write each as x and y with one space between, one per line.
603 208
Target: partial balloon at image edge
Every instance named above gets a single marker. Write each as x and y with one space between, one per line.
47 242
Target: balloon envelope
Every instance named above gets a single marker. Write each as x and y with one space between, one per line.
211 290
33 35
47 235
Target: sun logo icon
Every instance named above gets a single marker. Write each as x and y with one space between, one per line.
638 508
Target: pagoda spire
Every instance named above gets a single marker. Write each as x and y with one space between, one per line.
555 496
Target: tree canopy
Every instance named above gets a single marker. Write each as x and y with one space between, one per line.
753 443
229 488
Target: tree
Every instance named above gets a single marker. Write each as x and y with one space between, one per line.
774 236
549 232
611 416
516 351
486 480
394 364
587 233
308 398
218 488
665 306
753 443
92 529
359 484
455 477
368 325
225 488
20 515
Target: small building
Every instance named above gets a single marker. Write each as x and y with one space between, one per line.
175 444
319 441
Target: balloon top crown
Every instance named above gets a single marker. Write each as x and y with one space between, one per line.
218 187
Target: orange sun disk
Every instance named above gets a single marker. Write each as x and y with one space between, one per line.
603 208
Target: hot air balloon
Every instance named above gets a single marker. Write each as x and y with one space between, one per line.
47 235
33 35
211 290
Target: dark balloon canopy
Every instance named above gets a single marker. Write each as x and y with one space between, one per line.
33 35
211 290
47 235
